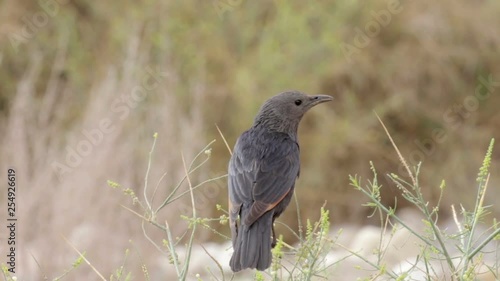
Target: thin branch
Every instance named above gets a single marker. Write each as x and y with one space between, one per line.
224 139
190 243
401 158
157 186
216 262
147 172
85 259
171 248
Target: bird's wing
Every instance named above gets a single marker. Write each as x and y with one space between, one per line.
241 172
276 176
241 175
262 177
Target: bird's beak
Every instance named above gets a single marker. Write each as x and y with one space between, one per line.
314 100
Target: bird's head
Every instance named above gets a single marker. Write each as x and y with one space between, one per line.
284 111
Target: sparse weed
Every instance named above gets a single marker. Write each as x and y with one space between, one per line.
443 255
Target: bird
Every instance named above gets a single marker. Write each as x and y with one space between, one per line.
262 171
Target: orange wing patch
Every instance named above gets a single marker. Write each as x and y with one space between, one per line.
277 202
259 208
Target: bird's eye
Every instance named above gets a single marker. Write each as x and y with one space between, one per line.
298 102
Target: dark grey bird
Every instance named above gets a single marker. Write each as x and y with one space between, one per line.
262 173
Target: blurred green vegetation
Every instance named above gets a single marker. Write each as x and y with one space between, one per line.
416 73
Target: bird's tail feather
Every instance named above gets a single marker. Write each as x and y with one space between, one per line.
253 245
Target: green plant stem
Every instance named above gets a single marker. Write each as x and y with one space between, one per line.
436 231
390 213
477 213
392 275
423 207
191 238
171 248
437 234
196 186
190 171
484 243
299 218
442 251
